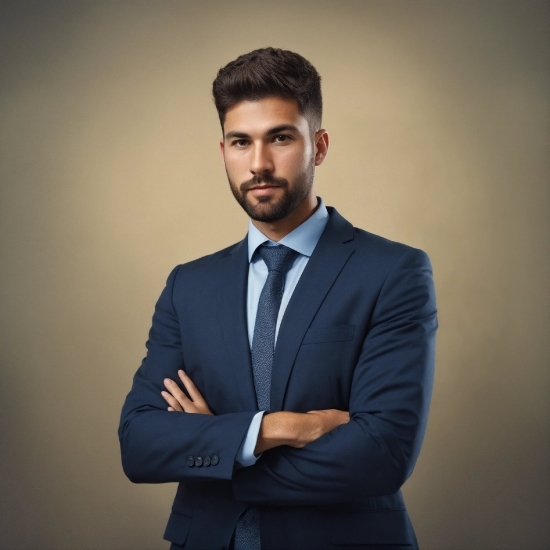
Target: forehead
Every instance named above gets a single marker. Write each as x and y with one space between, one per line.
258 117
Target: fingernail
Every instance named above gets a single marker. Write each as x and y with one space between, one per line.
167 381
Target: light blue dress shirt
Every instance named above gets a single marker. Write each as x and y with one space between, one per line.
303 240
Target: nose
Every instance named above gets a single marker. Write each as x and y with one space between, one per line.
262 161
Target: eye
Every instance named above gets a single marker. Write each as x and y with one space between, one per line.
240 142
282 138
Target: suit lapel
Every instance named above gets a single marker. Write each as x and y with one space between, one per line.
329 257
232 289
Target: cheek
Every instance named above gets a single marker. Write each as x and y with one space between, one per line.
235 165
293 162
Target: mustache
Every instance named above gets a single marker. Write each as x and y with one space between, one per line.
265 179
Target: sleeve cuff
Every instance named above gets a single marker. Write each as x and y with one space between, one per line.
245 455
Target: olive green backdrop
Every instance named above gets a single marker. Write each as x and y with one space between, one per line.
110 175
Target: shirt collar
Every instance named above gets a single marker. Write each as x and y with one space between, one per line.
303 239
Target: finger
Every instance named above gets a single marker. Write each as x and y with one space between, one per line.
171 409
194 393
172 401
176 392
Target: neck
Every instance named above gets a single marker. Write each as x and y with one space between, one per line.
281 228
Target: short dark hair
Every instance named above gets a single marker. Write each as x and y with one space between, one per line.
270 72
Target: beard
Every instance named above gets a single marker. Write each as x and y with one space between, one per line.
269 209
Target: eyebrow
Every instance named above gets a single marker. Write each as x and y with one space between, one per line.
270 132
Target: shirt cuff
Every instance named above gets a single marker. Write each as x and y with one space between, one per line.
245 455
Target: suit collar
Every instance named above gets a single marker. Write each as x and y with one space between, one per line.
334 249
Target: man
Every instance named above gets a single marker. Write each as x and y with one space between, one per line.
306 351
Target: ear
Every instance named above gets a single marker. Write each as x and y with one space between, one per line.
222 151
321 146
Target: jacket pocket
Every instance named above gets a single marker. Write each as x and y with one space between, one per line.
178 525
369 527
337 333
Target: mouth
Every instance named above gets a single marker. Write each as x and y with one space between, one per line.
263 190
266 186
263 187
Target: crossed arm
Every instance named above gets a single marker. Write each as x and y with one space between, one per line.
319 457
277 429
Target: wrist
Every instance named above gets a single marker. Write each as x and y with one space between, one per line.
281 428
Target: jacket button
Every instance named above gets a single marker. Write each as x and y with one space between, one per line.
190 461
214 460
198 461
206 461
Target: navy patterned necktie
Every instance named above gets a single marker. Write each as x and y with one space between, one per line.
278 259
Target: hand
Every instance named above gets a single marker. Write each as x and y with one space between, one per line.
178 401
297 429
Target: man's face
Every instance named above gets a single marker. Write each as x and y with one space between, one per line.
269 154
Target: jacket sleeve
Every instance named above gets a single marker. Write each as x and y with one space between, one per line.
156 444
375 452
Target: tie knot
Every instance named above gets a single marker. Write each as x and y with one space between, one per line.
278 258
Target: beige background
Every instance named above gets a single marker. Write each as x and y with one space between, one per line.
109 172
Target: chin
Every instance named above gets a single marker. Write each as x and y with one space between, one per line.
265 214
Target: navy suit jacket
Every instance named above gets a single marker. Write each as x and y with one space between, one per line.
358 335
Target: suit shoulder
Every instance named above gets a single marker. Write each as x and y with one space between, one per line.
400 269
205 265
370 242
